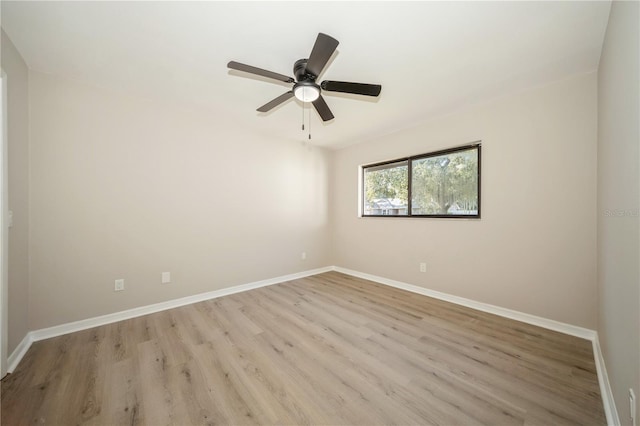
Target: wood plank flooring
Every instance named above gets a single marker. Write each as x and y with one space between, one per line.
329 349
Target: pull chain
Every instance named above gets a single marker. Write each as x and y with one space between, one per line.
309 122
304 104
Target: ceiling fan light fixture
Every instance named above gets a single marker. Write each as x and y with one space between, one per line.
306 91
307 71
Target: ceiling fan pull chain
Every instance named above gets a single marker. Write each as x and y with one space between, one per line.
309 122
303 116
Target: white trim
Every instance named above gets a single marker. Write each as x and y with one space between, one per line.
572 330
603 379
4 229
18 353
605 387
58 330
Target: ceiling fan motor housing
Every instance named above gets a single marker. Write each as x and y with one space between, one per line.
300 71
306 88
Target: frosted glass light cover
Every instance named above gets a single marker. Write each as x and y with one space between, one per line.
306 93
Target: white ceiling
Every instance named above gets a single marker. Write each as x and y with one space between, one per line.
430 57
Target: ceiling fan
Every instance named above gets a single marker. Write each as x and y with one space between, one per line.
307 71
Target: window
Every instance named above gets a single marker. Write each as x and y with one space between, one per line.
439 184
386 189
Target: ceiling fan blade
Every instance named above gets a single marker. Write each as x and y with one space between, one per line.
355 88
259 71
323 109
277 101
320 54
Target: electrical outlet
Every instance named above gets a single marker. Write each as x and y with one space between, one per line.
166 277
119 286
303 255
423 267
632 406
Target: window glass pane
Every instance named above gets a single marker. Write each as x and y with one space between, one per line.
446 184
385 189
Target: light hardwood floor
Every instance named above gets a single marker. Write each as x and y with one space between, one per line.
327 349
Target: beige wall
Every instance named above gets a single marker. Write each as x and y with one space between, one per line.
534 250
619 203
123 187
18 147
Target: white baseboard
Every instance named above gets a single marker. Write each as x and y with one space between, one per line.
58 330
572 330
16 356
603 380
605 387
